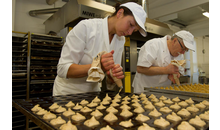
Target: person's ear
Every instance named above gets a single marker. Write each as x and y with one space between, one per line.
120 13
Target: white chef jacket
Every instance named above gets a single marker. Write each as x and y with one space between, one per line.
83 43
154 53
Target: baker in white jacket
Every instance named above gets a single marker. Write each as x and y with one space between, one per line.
154 68
87 39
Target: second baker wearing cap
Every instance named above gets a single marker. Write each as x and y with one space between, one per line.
154 68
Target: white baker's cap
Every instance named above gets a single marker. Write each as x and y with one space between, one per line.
139 15
188 39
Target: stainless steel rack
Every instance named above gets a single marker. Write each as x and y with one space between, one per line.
19 75
34 68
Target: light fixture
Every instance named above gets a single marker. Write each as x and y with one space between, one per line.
206 14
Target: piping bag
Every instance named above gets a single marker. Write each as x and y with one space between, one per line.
178 63
96 74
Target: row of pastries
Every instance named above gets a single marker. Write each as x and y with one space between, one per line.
176 109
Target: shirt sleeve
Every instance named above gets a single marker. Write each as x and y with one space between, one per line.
148 54
73 49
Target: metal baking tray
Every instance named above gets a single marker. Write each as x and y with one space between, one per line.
184 93
25 107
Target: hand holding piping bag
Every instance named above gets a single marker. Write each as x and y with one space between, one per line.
115 71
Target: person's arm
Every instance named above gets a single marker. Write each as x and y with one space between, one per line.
78 71
153 70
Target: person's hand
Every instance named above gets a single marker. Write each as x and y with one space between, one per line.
117 72
170 77
172 69
107 61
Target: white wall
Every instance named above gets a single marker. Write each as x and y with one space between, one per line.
203 58
23 22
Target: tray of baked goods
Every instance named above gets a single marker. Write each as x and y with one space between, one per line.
192 90
111 110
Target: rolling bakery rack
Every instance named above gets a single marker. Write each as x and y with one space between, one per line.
34 67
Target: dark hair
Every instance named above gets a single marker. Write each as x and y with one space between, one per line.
118 7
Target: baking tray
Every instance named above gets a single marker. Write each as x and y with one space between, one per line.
44 102
184 93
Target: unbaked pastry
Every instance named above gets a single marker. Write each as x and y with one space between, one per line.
183 113
105 102
142 95
145 127
139 110
96 100
92 104
175 107
149 106
97 114
117 96
60 109
200 105
155 113
173 117
146 102
68 113
192 109
154 100
142 118
124 106
110 117
70 104
114 104
126 113
49 116
125 102
136 104
36 108
159 104
183 104
77 107
134 96
106 128
204 116
112 109
168 101
41 112
126 98
197 122
205 102
176 99
107 97
68 126
126 124
165 110
189 101
101 107
57 121
152 96
85 109
162 123
185 126
116 100
78 117
83 102
53 106
91 123
162 98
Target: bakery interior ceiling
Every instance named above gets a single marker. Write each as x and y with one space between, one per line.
184 14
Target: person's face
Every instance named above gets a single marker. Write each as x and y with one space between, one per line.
125 25
178 47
